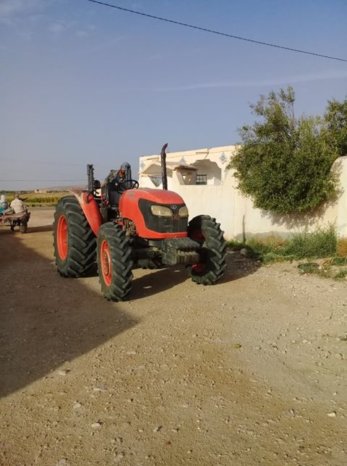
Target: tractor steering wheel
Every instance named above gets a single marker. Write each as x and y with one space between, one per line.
130 184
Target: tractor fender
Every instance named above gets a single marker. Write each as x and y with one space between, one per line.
90 209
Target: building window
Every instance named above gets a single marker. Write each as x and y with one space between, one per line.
156 180
201 179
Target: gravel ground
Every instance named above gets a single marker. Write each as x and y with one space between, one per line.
250 371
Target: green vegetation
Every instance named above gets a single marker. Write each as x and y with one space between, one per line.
339 261
40 200
284 163
336 120
322 243
309 267
326 269
341 275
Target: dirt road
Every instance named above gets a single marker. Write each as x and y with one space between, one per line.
250 371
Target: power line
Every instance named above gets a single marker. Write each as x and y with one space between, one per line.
219 33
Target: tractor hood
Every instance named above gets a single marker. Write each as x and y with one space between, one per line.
157 196
135 205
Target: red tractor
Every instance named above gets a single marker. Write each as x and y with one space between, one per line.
119 226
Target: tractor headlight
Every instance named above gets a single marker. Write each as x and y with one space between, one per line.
161 211
183 212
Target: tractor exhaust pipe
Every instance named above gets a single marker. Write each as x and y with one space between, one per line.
90 174
163 166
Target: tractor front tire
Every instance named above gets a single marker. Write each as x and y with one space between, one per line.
115 263
74 241
206 231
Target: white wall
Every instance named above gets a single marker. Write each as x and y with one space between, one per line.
341 223
239 218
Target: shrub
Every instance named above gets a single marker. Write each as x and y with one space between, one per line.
285 163
308 267
336 120
341 275
322 243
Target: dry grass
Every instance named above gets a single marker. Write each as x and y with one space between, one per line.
342 247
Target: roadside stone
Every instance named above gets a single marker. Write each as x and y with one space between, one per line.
237 345
119 457
99 389
96 425
62 462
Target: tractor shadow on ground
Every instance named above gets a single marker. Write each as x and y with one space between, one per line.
46 321
239 266
157 281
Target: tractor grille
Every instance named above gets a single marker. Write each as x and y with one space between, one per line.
172 224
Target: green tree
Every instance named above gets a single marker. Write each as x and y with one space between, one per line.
284 163
336 121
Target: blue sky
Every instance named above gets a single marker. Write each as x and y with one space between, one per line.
81 83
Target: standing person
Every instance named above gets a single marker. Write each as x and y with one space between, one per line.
18 205
3 204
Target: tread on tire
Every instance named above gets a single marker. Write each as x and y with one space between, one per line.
75 247
208 233
115 263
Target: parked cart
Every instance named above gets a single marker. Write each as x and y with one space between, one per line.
16 220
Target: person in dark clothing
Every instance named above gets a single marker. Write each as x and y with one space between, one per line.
116 182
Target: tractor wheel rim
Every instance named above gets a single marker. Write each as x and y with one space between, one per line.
106 264
199 268
198 236
62 238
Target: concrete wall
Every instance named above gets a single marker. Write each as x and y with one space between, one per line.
341 221
241 220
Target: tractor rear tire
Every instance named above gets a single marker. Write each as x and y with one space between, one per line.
74 241
115 263
206 231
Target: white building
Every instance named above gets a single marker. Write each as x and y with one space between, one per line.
193 167
201 177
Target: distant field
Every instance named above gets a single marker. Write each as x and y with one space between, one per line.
33 199
43 199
